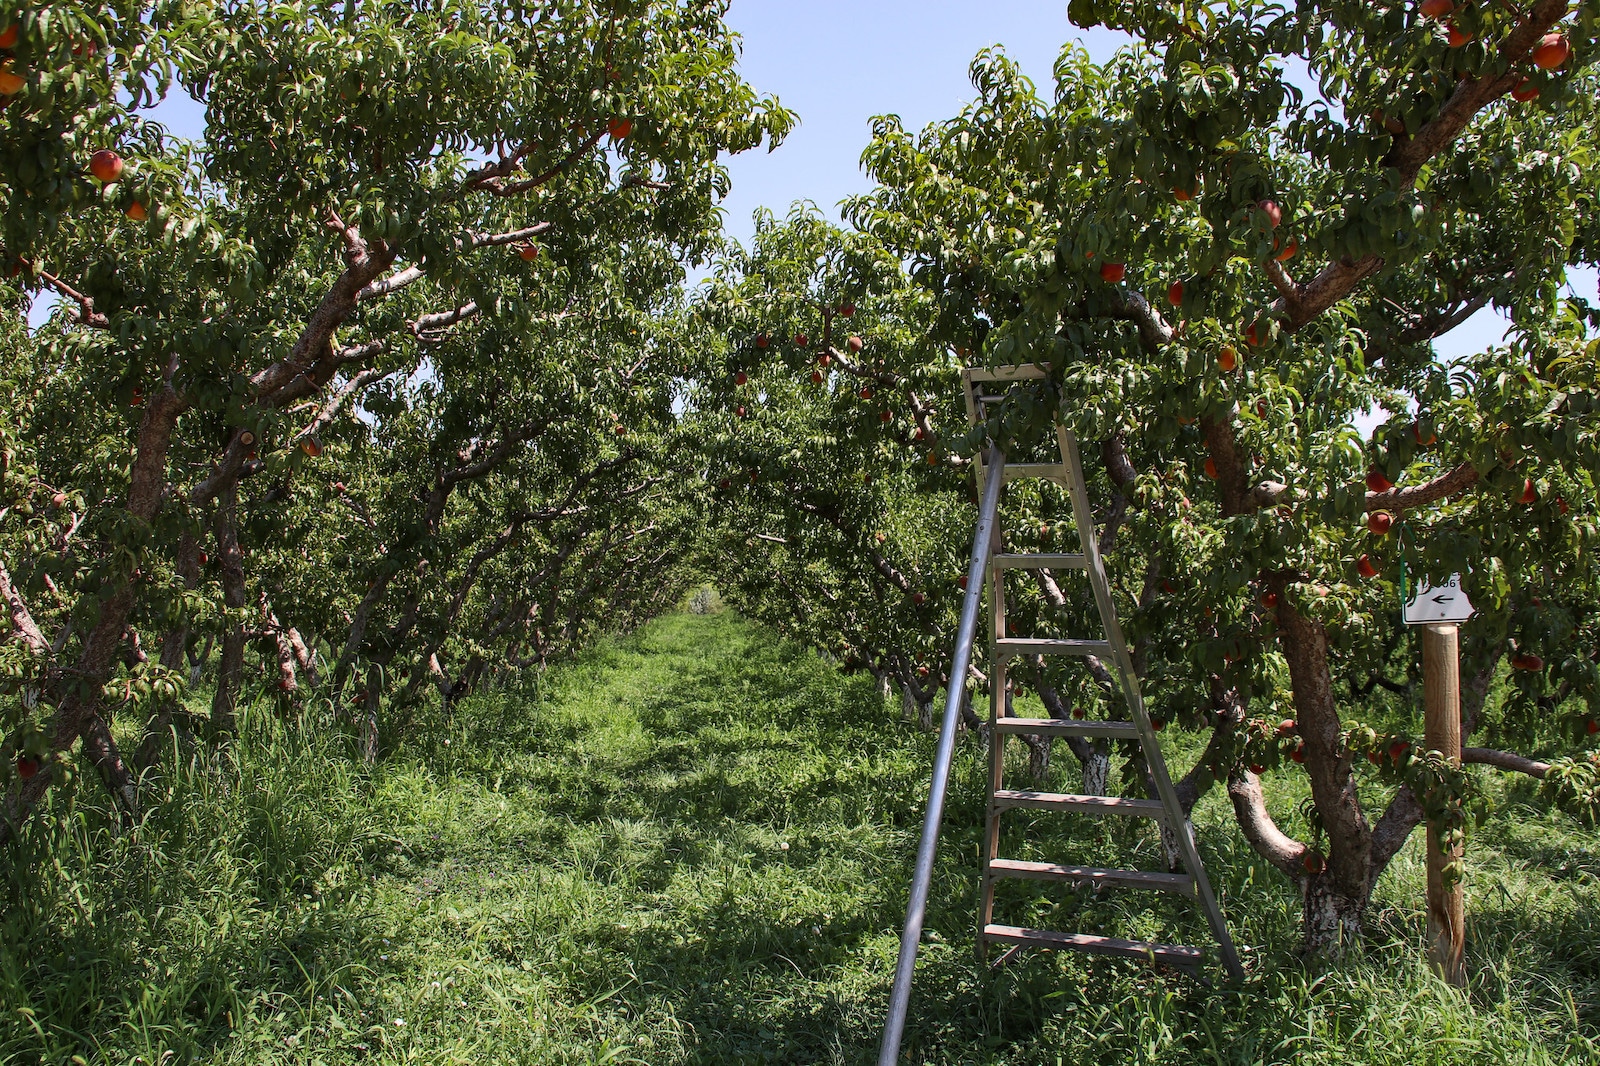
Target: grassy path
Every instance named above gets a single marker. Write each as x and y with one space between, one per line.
692 847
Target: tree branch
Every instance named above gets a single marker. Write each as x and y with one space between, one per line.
1447 484
1505 760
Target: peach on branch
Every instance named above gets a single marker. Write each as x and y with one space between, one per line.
106 166
1551 51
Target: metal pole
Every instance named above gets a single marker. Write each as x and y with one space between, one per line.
916 909
1441 693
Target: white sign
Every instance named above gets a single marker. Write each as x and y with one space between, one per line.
1447 603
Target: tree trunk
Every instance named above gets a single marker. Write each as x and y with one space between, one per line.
1331 920
79 711
1096 766
1329 765
230 561
369 717
199 659
174 647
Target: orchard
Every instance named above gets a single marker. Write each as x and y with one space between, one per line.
396 391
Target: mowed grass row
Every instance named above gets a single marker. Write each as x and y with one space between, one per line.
693 846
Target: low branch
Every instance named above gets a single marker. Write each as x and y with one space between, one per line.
1505 760
1447 484
22 622
87 315
1271 843
1403 815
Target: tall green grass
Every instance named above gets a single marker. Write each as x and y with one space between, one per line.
692 846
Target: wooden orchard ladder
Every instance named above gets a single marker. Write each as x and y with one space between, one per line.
1112 649
987 569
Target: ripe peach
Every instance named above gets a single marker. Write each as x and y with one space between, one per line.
1175 293
1437 9
1376 482
1529 493
1457 37
1379 522
1365 567
1552 51
1526 90
1111 273
1227 359
106 165
619 128
854 344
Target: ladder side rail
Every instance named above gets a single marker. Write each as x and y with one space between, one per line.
922 878
999 670
1083 517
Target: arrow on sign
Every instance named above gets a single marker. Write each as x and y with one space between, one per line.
1447 603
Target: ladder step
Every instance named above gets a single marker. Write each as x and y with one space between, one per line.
1024 471
1052 871
1019 372
1067 801
1035 646
1168 954
1062 727
1045 561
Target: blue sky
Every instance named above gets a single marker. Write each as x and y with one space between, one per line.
839 63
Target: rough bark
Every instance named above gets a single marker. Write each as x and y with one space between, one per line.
230 564
174 647
80 707
1327 762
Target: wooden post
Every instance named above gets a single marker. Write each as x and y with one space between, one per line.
1441 682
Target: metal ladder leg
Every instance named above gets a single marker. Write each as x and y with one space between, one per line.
997 739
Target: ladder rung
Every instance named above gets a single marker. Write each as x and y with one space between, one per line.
1019 372
1067 801
1067 728
1035 646
1168 954
1052 871
1059 561
1023 471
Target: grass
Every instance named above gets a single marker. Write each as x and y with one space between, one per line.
693 847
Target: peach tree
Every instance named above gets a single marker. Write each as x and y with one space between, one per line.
431 234
1230 246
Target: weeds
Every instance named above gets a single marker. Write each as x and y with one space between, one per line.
692 846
